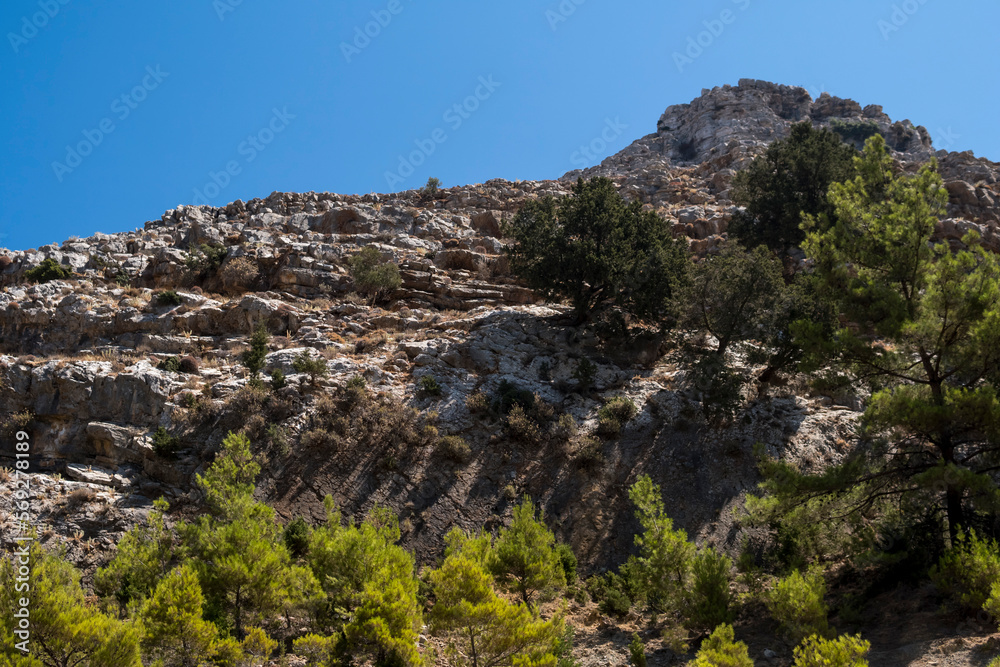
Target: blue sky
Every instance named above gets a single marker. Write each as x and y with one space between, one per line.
209 101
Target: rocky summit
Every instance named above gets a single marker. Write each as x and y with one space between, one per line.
127 371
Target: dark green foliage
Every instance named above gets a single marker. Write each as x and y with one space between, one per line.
855 132
278 381
596 250
637 651
584 373
204 260
48 270
687 149
165 444
509 395
968 570
432 187
568 561
454 448
168 298
253 358
170 365
428 386
314 367
297 538
374 277
710 597
614 414
790 179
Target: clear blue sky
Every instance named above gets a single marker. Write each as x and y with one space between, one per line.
200 77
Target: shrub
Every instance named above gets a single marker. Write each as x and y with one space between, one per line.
566 427
277 380
432 187
509 395
239 274
797 603
637 651
844 651
722 650
968 570
165 444
428 386
357 382
82 496
170 365
521 427
992 606
19 421
854 132
168 298
568 561
584 373
477 403
590 456
253 358
454 449
314 367
190 365
48 270
614 414
372 276
297 538
710 596
205 260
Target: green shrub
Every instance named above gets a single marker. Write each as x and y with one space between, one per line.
170 365
615 592
637 651
992 606
454 448
278 381
844 651
722 650
797 603
168 298
710 597
566 427
165 444
568 561
204 260
509 395
432 187
477 403
373 276
968 570
296 537
253 358
357 382
521 427
614 414
314 367
48 270
591 454
584 373
854 131
428 386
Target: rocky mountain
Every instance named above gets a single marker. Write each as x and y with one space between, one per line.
86 361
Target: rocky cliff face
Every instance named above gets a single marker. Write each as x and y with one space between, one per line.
80 357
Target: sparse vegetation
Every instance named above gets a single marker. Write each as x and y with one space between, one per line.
374 277
168 298
47 271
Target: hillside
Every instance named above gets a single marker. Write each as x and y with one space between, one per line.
82 359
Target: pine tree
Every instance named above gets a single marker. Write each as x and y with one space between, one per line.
483 629
173 627
524 559
923 333
253 358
